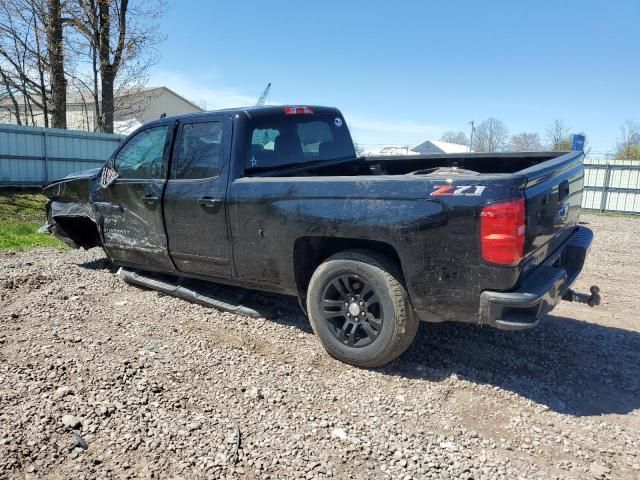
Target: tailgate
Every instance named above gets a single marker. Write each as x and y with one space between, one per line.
553 194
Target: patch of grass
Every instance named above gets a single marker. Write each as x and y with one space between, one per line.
22 205
22 212
22 236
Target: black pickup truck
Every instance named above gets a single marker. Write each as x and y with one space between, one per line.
276 199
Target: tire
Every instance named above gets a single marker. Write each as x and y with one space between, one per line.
371 281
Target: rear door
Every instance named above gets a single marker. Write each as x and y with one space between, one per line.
129 210
553 195
194 199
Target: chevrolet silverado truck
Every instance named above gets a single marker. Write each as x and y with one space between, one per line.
276 199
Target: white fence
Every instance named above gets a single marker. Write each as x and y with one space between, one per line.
611 186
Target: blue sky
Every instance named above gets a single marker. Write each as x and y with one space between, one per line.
406 71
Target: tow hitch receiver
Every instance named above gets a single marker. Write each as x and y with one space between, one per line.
591 300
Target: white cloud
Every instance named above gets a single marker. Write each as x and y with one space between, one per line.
202 91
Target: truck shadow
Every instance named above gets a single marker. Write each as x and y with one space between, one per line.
572 367
102 263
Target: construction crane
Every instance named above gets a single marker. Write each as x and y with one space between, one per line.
265 94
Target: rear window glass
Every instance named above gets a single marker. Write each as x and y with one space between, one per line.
280 141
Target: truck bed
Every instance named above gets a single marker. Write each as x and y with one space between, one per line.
463 163
489 163
431 219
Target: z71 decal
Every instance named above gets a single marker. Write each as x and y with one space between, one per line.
465 190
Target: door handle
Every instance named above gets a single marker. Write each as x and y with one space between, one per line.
208 201
149 199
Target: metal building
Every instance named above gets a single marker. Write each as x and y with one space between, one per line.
131 110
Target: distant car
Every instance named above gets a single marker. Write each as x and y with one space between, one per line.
275 198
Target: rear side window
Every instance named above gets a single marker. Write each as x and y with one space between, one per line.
280 141
199 151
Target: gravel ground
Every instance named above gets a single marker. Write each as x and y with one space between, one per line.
99 379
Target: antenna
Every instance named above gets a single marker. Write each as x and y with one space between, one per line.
265 94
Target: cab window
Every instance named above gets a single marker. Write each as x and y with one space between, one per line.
280 141
142 157
198 154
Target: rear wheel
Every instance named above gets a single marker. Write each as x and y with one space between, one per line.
360 309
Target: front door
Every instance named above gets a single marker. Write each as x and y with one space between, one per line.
194 200
129 211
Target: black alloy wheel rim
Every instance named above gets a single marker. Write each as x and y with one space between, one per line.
352 310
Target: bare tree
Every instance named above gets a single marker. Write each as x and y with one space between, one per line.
102 49
459 138
491 136
55 46
633 153
23 61
32 61
525 142
558 136
8 101
118 40
629 143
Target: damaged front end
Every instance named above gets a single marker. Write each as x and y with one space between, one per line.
70 213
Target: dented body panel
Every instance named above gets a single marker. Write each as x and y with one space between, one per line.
271 229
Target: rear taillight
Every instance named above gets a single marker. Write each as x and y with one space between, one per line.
502 232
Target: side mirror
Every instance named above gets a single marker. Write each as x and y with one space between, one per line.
109 175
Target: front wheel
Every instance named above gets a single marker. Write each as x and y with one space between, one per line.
360 309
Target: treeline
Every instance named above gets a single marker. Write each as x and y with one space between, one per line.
492 135
95 51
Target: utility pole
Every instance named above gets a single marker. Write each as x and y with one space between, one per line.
471 136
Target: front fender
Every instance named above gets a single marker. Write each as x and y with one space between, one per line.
70 212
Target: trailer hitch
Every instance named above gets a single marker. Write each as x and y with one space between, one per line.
591 300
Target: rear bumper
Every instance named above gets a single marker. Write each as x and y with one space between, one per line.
541 291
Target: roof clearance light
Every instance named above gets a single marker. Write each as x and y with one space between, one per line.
297 110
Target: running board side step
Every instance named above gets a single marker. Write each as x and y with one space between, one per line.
135 278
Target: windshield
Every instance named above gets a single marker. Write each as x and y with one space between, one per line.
280 141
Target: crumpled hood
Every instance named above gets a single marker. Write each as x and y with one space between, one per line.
74 182
92 172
